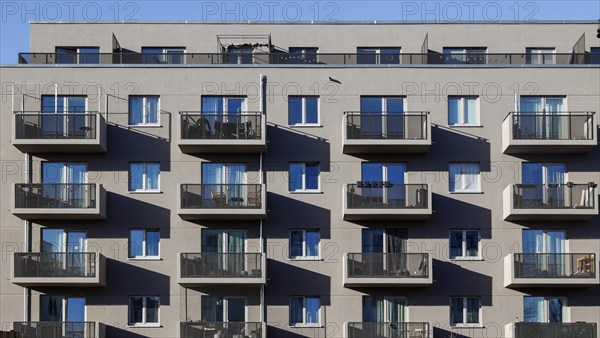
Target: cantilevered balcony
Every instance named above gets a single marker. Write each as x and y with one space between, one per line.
387 270
208 132
551 330
55 329
550 270
222 201
387 330
59 201
365 201
37 132
59 269
205 269
534 133
204 329
550 202
365 132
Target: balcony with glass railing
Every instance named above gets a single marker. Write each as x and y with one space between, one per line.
207 329
387 330
211 132
222 201
550 270
386 132
369 200
539 132
550 201
197 269
59 269
387 270
56 329
59 201
551 330
39 132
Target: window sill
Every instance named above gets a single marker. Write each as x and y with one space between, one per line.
307 326
305 259
144 325
466 192
144 259
306 126
144 126
146 192
306 192
467 326
463 259
465 126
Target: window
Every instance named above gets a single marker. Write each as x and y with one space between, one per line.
381 309
304 177
144 176
464 177
144 110
545 309
463 111
223 309
78 55
144 243
539 56
469 55
144 310
158 55
305 311
595 56
304 244
464 244
238 55
376 56
465 311
303 110
300 55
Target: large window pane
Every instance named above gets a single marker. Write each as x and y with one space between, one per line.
136 240
296 243
296 309
312 243
152 242
471 111
312 110
456 244
295 176
472 243
136 304
151 110
136 110
152 175
456 311
295 110
312 310
312 177
89 55
472 310
533 309
152 304
136 176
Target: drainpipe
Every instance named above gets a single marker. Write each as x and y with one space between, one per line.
28 246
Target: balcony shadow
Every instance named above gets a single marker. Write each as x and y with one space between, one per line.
282 331
439 332
286 144
453 145
137 144
306 215
117 332
283 277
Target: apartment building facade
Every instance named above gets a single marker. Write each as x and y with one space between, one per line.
301 180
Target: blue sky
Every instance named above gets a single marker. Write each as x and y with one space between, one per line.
16 14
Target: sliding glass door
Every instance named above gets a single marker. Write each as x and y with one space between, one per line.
63 250
544 253
544 309
64 184
383 184
225 250
224 115
382 117
70 310
541 118
63 116
543 185
224 184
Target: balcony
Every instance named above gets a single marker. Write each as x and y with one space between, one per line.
206 269
387 330
222 202
36 132
534 133
59 269
58 201
401 133
550 202
366 201
550 270
551 330
387 270
203 329
203 132
55 329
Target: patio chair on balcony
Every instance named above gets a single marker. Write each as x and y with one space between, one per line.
218 198
254 198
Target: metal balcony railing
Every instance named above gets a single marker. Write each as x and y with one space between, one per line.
221 196
552 126
385 195
210 125
55 195
54 264
39 125
386 125
555 265
388 265
55 329
388 330
554 196
555 330
320 58
203 329
221 265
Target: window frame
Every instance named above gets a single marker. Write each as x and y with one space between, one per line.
463 256
566 309
143 178
465 312
303 111
304 312
145 114
304 189
462 112
463 191
530 52
144 322
76 54
378 54
304 255
144 255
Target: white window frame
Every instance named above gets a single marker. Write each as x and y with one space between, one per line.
378 54
462 112
145 114
465 313
530 52
463 256
304 255
462 190
144 254
303 113
303 189
304 323
144 178
144 312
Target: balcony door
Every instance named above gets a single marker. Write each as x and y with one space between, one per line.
224 310
65 185
385 316
64 116
383 184
382 117
224 184
63 250
224 115
381 251
225 251
540 118
543 185
545 309
543 253
70 310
